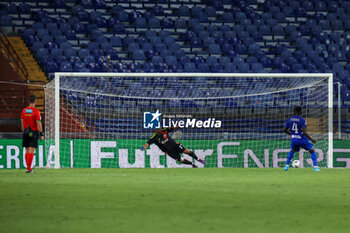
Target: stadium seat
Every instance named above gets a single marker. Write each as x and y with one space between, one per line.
154 23
84 53
183 11
180 23
66 67
190 67
214 49
140 22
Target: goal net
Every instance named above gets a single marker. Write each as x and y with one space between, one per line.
95 120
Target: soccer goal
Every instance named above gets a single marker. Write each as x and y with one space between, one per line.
95 120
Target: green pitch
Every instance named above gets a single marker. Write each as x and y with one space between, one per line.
175 200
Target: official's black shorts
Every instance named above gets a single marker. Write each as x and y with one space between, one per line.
176 151
30 140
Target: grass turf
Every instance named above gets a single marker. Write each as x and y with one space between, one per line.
175 200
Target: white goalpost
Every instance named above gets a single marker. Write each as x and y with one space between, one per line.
228 119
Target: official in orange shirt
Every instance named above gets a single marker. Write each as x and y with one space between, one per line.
32 130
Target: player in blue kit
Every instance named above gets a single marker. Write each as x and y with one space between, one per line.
296 128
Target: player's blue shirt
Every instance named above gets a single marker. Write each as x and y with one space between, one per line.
295 124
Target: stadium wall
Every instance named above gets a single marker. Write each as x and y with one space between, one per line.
100 154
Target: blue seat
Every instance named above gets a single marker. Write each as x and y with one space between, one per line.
183 11
69 52
266 61
214 49
239 16
168 23
196 43
203 18
112 53
224 60
135 67
141 22
225 28
99 4
180 23
324 24
50 45
89 59
60 39
295 68
196 10
192 22
46 39
133 46
115 41
210 11
174 47
171 60
11 8
37 45
122 16
265 29
79 66
241 48
320 6
210 60
51 67
56 52
208 41
277 61
169 40
41 52
119 28
148 67
197 60
230 68
227 17
184 60
51 26
155 40
37 26
24 8
146 46
157 59
153 23
60 59
158 10
257 67
253 48
203 68
251 29
226 48
251 60
289 29
278 30
66 67
190 67
164 53
42 32
178 53
83 53
160 47
246 22
335 37
216 68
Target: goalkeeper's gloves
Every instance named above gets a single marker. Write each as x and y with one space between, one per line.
143 148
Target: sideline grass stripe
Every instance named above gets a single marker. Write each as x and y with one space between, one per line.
175 200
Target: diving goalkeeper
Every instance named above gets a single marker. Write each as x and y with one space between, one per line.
170 146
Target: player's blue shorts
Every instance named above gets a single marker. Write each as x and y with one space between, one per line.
296 143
